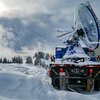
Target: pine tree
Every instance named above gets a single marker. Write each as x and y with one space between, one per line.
37 61
29 60
1 60
35 55
5 60
47 56
41 55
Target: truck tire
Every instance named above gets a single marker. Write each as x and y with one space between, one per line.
55 83
96 85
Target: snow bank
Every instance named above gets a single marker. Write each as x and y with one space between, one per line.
22 82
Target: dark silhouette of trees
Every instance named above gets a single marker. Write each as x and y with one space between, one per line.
18 60
41 54
39 57
47 56
29 60
37 61
0 60
5 60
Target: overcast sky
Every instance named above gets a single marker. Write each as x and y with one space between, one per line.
32 24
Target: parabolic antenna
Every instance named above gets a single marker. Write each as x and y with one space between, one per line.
87 26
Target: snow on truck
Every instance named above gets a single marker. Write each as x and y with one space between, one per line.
74 67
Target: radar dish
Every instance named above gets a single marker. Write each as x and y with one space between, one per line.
86 28
87 24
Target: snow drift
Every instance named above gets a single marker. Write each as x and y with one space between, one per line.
23 82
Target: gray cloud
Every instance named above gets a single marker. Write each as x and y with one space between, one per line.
33 22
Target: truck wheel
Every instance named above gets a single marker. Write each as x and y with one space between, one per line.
55 83
89 85
96 85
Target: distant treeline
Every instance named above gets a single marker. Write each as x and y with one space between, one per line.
13 60
40 57
37 59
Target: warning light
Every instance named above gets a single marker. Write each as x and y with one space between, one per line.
91 71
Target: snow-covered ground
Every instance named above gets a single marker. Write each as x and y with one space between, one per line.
28 82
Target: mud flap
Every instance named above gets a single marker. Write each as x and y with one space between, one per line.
63 83
90 85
